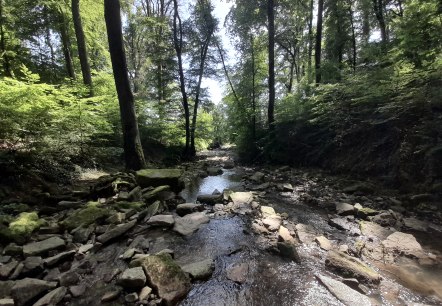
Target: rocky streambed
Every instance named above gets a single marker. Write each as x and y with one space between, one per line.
233 236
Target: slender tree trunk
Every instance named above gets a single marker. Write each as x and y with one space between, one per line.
310 43
48 35
318 46
178 42
378 6
252 45
271 47
4 55
226 72
133 150
66 46
353 35
81 43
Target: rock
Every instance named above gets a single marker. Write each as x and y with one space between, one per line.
28 289
69 278
288 250
6 302
188 208
170 281
210 199
85 216
284 235
374 230
272 223
145 293
116 218
257 177
5 288
261 187
344 209
43 247
351 267
85 248
415 224
131 297
267 211
259 229
344 293
69 204
135 194
77 290
218 207
361 188
366 212
229 164
323 243
111 295
5 259
306 233
52 298
241 198
287 187
213 171
52 261
161 220
238 273
32 266
159 177
116 232
132 278
190 223
7 269
128 254
13 250
346 225
155 194
403 244
200 270
81 234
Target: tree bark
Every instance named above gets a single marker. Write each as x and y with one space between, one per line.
6 63
310 43
318 46
252 46
81 43
353 35
271 48
378 6
178 42
133 151
66 46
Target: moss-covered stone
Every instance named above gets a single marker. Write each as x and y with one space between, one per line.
129 205
153 194
20 228
366 212
160 177
85 216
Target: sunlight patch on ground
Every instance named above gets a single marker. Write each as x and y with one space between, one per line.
88 174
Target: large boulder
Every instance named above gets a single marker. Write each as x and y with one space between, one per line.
160 177
190 223
344 293
400 243
44 246
351 267
165 275
29 289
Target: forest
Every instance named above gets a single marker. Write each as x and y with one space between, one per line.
328 132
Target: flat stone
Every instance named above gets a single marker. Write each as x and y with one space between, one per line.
351 267
77 290
374 230
188 208
344 209
70 204
111 295
272 223
12 250
116 232
131 297
210 199
28 289
267 211
287 187
284 235
323 243
32 266
213 171
415 224
306 233
69 278
257 177
43 247
159 177
401 243
145 293
132 278
52 261
52 298
81 234
85 248
261 187
344 293
5 288
190 223
161 220
7 269
241 198
116 218
200 270
238 273
6 302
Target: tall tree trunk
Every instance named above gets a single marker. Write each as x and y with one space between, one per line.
318 46
310 43
353 35
4 55
66 46
133 150
378 6
178 42
271 47
81 43
252 45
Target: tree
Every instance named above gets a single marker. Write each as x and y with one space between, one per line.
81 44
4 54
132 145
318 46
271 48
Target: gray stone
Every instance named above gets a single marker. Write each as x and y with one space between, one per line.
28 289
131 297
159 177
69 204
6 270
344 293
12 249
111 295
323 243
415 224
272 223
288 250
257 177
77 290
401 243
69 278
5 259
52 298
344 209
145 293
116 232
190 223
132 278
116 218
306 233
200 270
267 211
261 187
284 235
52 261
6 302
85 248
210 199
43 247
241 198
374 230
188 208
32 265
161 220
5 288
213 171
81 234
238 273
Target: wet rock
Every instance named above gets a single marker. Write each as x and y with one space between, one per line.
284 235
116 232
213 171
346 225
116 218
154 194
200 270
69 278
145 293
374 230
344 293
85 217
159 177
32 266
135 194
288 250
5 259
261 187
323 243
238 273
69 204
240 198
110 275
85 248
52 298
366 212
360 188
131 297
81 234
132 278
306 233
28 289
385 219
188 208
344 209
43 247
161 220
170 281
257 177
7 269
5 288
415 224
77 290
190 223
52 261
351 267
111 295
403 244
210 199
6 302
13 250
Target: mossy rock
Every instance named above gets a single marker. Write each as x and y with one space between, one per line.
21 228
15 208
366 212
160 177
129 205
85 216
